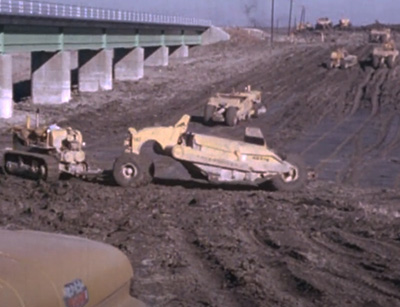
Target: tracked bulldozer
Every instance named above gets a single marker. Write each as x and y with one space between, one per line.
387 54
233 107
340 58
380 36
45 152
210 158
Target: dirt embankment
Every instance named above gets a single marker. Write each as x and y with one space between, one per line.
333 244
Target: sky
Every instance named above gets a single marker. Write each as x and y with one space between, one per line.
257 12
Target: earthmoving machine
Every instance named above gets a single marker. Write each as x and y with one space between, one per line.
344 23
380 36
340 58
214 159
304 27
323 23
45 152
387 54
233 107
45 269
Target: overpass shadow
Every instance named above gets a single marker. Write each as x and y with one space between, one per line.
22 90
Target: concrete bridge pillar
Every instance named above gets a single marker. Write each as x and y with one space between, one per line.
128 64
179 52
6 86
156 56
51 77
95 70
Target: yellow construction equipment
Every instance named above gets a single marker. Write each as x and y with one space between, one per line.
214 159
44 152
387 54
340 58
233 107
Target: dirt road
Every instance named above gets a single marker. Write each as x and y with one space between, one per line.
336 243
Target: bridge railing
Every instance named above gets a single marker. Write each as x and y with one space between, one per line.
55 10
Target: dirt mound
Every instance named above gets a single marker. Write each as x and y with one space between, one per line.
333 244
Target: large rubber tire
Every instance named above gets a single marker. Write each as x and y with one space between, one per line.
376 61
208 113
231 116
293 181
390 62
132 170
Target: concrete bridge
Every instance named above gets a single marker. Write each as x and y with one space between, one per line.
101 44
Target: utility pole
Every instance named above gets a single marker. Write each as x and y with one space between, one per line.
290 17
272 22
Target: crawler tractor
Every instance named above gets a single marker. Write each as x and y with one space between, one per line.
214 159
233 107
380 36
340 58
45 152
385 54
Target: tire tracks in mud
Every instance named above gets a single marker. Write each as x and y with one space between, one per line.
374 80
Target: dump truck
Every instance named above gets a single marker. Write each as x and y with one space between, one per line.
45 152
233 107
340 58
387 54
323 23
380 36
210 158
45 269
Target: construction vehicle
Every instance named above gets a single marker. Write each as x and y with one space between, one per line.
380 36
340 58
45 269
233 107
210 158
323 23
387 54
45 152
344 23
307 26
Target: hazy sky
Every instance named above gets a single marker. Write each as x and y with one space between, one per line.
249 12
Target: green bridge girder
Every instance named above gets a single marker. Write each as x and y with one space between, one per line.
29 38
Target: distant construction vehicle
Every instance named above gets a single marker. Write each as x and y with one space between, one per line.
45 152
304 27
387 54
323 23
233 107
380 36
341 58
210 158
344 23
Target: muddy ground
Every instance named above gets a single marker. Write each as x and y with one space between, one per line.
335 243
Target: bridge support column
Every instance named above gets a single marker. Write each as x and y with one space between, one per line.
51 77
128 64
6 86
95 70
156 56
179 52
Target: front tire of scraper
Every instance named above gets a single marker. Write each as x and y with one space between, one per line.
294 180
231 116
132 170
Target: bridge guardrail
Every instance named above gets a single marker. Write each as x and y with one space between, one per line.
55 10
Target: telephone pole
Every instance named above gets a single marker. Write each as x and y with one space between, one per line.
272 22
290 16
